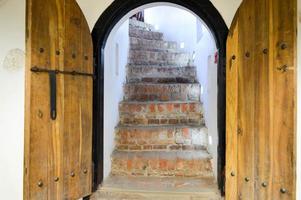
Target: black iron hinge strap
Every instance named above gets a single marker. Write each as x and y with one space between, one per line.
52 83
73 73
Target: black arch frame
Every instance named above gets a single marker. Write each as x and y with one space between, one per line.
109 18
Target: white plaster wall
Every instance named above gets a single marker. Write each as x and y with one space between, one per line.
12 35
115 74
207 76
174 25
12 15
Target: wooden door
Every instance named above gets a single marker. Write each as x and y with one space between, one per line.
261 101
58 129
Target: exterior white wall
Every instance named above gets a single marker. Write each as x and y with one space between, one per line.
12 36
115 74
12 22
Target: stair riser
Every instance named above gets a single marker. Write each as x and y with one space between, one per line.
162 74
153 45
151 139
149 35
140 25
139 166
157 58
160 113
162 92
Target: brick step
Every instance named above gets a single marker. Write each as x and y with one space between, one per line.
166 137
162 163
145 34
161 113
157 188
133 23
152 45
161 92
144 57
161 74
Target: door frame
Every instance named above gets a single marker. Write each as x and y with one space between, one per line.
101 31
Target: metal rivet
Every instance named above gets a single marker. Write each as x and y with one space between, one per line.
86 57
40 114
73 55
41 50
248 54
232 174
233 57
56 179
283 46
283 190
265 51
264 184
40 183
85 171
247 179
57 52
72 174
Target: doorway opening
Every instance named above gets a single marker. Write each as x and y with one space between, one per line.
123 37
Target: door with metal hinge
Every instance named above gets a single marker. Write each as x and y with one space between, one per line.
261 101
58 112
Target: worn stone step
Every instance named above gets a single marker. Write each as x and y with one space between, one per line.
157 188
161 92
161 113
133 23
161 74
162 163
166 137
145 34
152 45
145 57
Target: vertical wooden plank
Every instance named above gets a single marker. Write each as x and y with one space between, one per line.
43 31
77 99
283 42
246 101
262 133
231 107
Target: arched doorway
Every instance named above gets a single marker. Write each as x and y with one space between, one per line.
105 24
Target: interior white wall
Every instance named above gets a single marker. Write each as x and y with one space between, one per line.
207 76
175 25
12 14
113 86
12 36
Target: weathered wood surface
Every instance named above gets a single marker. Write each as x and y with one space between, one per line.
58 37
261 101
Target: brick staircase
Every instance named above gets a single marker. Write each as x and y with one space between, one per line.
161 140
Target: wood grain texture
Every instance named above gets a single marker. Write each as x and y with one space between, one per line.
55 32
266 102
231 114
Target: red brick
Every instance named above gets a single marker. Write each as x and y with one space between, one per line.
152 108
173 121
186 134
184 107
160 108
169 107
163 164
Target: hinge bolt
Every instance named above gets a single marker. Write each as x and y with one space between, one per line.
264 184
283 190
40 183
